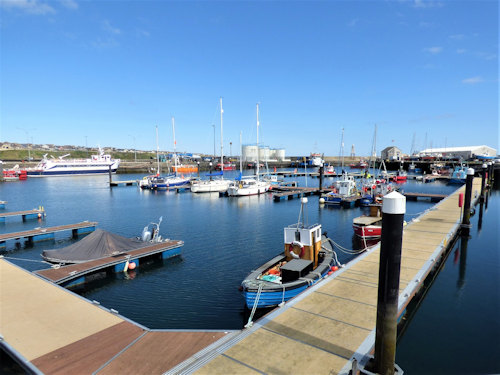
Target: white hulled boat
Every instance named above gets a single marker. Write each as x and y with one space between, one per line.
213 185
96 164
249 185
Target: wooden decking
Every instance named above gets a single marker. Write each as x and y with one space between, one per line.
59 332
47 230
66 273
3 215
325 328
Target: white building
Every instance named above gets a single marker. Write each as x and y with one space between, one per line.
249 153
391 153
464 152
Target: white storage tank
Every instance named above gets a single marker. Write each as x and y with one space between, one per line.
264 153
249 153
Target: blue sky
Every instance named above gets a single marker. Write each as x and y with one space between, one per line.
107 72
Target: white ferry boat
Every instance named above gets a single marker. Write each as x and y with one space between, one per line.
97 164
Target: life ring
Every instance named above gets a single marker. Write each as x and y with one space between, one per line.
292 253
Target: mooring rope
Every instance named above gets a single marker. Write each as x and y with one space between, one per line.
256 302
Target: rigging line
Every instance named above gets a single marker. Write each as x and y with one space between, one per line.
26 260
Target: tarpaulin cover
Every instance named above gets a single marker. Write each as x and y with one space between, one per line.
98 244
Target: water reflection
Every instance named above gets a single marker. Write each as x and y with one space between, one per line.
464 240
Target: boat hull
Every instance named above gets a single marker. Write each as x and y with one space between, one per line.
367 231
273 294
69 172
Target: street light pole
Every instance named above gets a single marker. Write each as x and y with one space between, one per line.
213 126
28 140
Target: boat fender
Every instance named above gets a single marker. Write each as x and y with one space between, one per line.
292 253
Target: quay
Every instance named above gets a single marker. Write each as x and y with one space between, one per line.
50 330
331 324
41 234
28 214
322 331
80 273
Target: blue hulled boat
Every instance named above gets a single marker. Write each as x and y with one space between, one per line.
307 258
458 176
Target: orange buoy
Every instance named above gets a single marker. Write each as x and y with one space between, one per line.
334 268
330 272
132 265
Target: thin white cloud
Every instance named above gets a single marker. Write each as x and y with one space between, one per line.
353 22
69 4
144 33
434 50
422 4
457 36
461 51
27 6
472 80
110 29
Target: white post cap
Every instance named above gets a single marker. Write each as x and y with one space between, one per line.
394 203
490 163
304 200
470 172
485 165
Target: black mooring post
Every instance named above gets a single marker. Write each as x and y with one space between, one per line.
464 240
468 194
483 180
321 171
393 210
490 173
110 180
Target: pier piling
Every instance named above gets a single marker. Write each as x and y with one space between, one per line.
490 173
483 180
393 210
321 172
468 194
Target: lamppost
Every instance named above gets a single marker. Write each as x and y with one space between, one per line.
135 151
28 140
231 148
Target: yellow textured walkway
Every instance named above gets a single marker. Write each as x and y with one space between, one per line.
322 330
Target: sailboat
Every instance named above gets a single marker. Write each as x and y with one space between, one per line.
171 180
147 181
213 185
250 185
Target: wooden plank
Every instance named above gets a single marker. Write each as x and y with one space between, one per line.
19 213
90 353
158 351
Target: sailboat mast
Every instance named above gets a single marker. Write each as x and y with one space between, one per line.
157 152
241 154
257 141
175 144
221 142
342 149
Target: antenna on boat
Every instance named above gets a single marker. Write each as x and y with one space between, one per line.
302 212
157 156
175 144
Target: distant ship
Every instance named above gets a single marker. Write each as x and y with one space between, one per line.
97 164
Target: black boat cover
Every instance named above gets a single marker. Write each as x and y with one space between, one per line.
98 244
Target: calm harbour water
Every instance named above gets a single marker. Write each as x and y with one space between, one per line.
226 238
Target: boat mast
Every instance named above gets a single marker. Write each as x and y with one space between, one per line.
221 142
175 144
257 141
241 154
157 156
342 150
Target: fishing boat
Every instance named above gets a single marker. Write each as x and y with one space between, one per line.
316 160
459 175
344 189
213 185
329 170
307 258
228 166
360 165
400 176
249 185
369 227
185 168
96 164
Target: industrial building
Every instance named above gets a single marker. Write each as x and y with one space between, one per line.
249 153
464 152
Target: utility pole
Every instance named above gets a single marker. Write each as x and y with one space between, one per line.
28 140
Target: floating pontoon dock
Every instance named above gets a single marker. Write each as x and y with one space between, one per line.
29 214
50 330
79 273
332 323
41 234
321 331
2 204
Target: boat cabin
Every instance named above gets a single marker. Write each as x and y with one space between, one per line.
303 242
